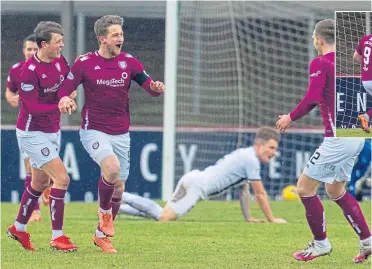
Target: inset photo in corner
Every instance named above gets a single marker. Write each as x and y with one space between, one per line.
353 73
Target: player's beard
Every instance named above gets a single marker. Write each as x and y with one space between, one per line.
114 51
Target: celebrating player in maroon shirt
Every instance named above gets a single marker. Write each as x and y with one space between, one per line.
38 134
106 76
333 161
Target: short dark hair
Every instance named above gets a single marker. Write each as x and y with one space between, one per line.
264 134
103 23
326 30
31 38
44 31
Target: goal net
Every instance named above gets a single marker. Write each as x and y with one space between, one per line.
240 65
352 98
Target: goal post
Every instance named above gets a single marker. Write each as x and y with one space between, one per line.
170 97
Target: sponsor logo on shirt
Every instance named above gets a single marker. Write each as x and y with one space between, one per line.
317 73
27 87
52 89
113 82
56 86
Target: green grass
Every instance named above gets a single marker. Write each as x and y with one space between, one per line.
352 132
212 235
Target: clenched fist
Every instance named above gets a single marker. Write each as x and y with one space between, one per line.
157 86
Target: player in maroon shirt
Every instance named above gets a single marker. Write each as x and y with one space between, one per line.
12 97
333 161
106 76
11 92
363 55
38 132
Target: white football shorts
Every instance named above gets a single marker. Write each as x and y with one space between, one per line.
40 147
334 159
99 145
186 194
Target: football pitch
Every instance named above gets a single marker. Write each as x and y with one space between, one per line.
212 235
352 132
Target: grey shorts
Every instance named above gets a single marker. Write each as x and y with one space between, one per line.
334 159
186 194
23 155
100 145
40 147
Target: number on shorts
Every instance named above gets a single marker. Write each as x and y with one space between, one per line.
315 157
367 54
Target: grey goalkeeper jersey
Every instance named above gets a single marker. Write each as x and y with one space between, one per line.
231 170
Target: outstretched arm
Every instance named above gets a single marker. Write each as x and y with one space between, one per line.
154 88
245 204
263 201
310 100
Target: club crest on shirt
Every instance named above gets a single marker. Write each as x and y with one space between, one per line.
45 151
122 64
95 145
31 67
58 66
